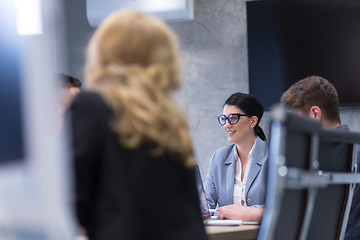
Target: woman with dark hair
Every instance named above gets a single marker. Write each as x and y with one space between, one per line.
236 180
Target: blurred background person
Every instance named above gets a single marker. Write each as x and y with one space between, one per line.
134 163
69 88
236 180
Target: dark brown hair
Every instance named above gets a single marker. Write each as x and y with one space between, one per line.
251 106
69 81
313 91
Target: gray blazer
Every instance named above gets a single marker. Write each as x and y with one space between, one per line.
220 179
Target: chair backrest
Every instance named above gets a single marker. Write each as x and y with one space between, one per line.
303 175
293 147
337 152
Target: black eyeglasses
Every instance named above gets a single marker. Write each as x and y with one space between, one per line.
232 118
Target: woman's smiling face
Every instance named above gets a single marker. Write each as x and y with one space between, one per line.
241 130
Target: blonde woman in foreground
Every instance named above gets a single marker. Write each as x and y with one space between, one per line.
134 163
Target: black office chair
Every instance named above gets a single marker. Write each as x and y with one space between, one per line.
337 152
302 175
293 145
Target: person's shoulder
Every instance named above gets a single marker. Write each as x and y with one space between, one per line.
343 128
261 153
223 155
90 102
224 151
261 145
88 97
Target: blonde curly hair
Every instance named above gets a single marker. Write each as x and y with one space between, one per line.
133 63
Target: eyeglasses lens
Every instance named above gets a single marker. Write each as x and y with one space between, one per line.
222 119
231 118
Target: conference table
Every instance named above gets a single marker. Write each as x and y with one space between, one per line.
242 232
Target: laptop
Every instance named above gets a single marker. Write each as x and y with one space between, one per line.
205 212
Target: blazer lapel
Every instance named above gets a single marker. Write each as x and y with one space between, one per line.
230 166
256 163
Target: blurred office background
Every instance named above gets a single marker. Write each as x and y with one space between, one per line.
35 173
215 65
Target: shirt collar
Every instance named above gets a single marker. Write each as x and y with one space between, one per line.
250 154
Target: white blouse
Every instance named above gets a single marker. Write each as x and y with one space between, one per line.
239 186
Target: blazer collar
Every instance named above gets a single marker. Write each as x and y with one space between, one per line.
231 157
230 175
259 157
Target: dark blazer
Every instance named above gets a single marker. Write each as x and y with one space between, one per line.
126 194
220 179
353 225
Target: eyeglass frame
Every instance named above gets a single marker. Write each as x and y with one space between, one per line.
239 115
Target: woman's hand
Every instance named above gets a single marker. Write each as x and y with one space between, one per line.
235 211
